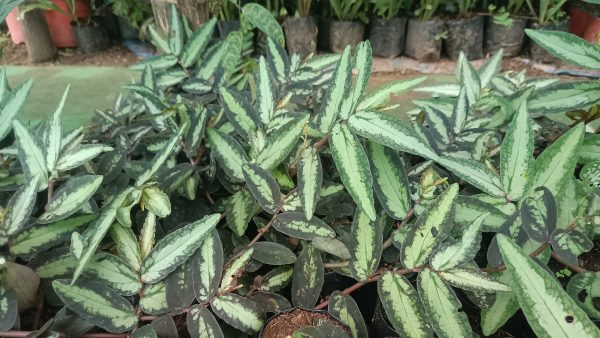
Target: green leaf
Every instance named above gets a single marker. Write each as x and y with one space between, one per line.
473 280
503 308
365 245
442 306
262 19
555 165
469 78
228 152
390 181
114 272
239 209
207 264
158 41
363 61
490 68
239 312
11 105
337 91
156 201
97 304
160 158
538 214
70 197
584 289
381 95
389 131
8 309
266 96
197 43
54 134
54 263
158 63
353 166
147 234
146 331
176 34
563 97
277 279
459 116
202 324
569 244
154 299
176 248
180 288
345 308
550 311
295 224
308 278
474 173
263 187
272 253
80 155
30 153
277 59
281 142
516 155
310 179
40 238
432 227
235 268
195 133
19 207
567 47
450 255
232 50
240 113
126 245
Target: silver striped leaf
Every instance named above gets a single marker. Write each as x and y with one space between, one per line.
113 272
266 95
207 265
295 224
263 187
503 308
156 201
228 152
475 173
234 269
381 95
161 157
31 154
490 68
80 155
363 61
158 41
567 47
53 134
516 155
450 255
126 246
239 209
10 106
469 78
473 280
281 142
276 279
365 245
310 178
154 299
336 92
239 112
158 63
70 197
196 44
19 207
345 308
563 97
539 215
278 60
176 33
54 263
308 277
239 312
202 324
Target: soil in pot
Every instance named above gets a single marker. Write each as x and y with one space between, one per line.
387 36
344 33
508 37
285 323
465 35
423 39
300 35
226 27
92 37
536 52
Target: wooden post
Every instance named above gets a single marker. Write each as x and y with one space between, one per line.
39 45
196 11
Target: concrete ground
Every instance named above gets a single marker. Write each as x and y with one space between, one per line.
98 87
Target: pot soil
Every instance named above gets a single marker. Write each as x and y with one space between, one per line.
387 36
465 35
300 35
92 37
226 27
508 37
539 54
423 39
285 323
344 33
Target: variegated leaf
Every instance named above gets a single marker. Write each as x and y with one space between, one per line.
473 280
432 227
569 244
280 142
353 166
584 289
239 209
442 306
195 133
197 43
469 78
239 112
390 181
19 207
365 245
403 306
98 304
70 197
80 155
114 272
276 279
160 158
54 134
266 96
381 95
262 19
10 106
54 263
126 245
202 324
516 155
539 214
176 248
147 235
8 309
176 34
336 92
158 63
239 312
567 47
263 187
490 68
363 61
30 153
180 288
295 224
207 264
308 278
228 152
156 201
277 58
550 311
449 255
234 268
345 308
310 178
272 253
389 131
158 41
154 299
503 308
474 173
563 97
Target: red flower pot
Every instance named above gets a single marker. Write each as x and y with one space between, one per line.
15 27
59 23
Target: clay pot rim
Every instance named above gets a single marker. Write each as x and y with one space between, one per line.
346 327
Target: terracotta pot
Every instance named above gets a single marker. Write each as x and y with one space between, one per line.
59 24
15 27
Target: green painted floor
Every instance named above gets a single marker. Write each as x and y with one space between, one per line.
98 87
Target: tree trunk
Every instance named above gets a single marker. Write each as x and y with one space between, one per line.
39 45
196 11
161 11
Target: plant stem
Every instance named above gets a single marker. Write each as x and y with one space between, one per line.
321 142
50 193
575 268
534 253
264 229
333 265
351 289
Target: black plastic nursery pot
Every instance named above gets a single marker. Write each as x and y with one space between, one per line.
227 26
423 39
465 35
300 35
387 37
344 33
536 52
91 37
128 32
510 38
283 324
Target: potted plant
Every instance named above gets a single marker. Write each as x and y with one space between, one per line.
91 34
425 32
549 16
301 30
465 32
504 28
131 14
345 29
388 30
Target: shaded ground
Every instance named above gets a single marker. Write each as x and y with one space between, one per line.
117 55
